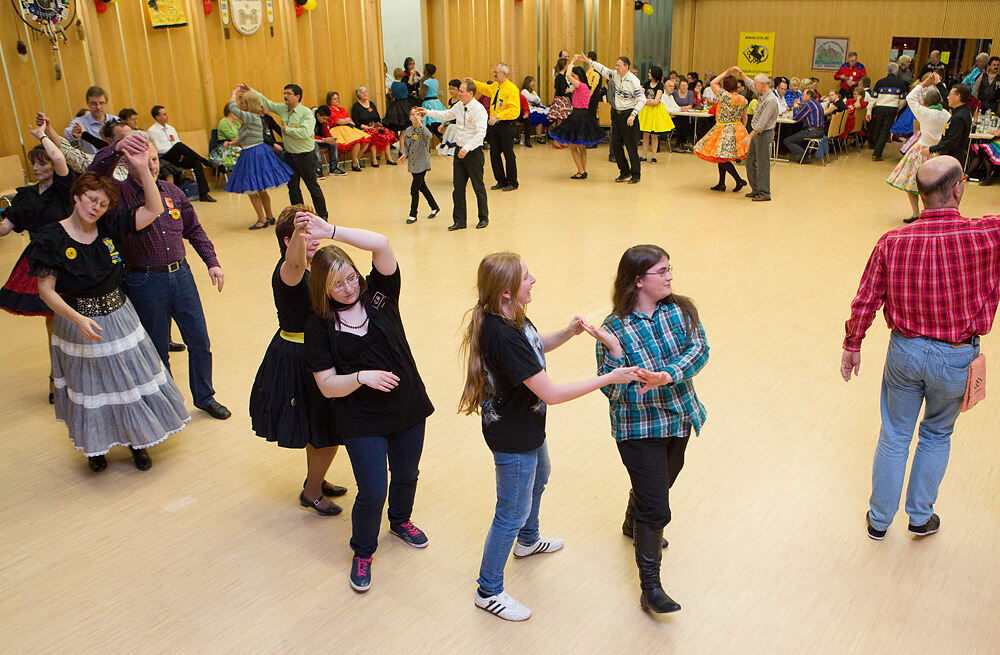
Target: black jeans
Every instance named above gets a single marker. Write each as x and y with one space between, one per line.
469 169
418 186
795 141
369 455
624 137
882 120
501 137
184 157
303 166
653 465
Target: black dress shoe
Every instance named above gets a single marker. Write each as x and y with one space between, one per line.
332 510
739 186
622 178
760 197
634 179
175 347
751 194
483 223
97 463
206 198
509 187
434 212
717 187
141 458
910 219
496 187
456 226
330 489
215 409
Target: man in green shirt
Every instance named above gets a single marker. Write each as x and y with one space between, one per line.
299 131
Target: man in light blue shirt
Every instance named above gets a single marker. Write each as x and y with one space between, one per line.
92 121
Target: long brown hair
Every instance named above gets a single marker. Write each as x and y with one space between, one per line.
498 272
327 263
635 262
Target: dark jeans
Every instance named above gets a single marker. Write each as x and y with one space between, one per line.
795 141
759 162
183 156
159 297
878 131
469 168
331 153
418 186
368 459
303 166
625 138
501 137
653 465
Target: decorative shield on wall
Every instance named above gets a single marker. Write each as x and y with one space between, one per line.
246 15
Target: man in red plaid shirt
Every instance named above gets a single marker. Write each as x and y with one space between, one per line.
939 280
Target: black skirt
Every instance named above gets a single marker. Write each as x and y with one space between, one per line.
579 129
397 116
286 406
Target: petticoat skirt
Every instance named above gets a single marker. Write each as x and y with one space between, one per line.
579 129
286 406
655 119
113 392
347 136
904 176
560 109
435 105
382 137
20 294
722 143
258 168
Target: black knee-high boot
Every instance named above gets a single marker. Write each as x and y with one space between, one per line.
648 557
721 186
628 526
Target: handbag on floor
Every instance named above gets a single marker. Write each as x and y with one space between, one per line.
975 386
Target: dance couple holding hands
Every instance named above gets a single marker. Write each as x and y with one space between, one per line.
647 351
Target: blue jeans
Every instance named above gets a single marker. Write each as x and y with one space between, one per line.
368 459
521 479
159 297
331 151
917 372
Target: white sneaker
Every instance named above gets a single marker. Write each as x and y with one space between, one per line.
504 606
543 545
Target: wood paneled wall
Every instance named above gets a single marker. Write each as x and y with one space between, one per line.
706 32
190 69
468 37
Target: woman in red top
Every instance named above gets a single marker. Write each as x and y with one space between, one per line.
340 125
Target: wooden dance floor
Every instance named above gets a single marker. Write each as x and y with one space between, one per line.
209 551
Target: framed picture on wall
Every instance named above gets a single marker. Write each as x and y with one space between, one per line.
829 52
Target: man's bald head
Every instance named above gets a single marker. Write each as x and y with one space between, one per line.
937 182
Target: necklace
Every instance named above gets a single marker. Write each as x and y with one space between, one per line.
353 327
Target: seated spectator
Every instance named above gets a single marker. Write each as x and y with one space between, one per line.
168 145
811 115
792 94
741 88
130 116
365 115
698 87
866 84
227 149
684 127
325 140
780 88
669 86
855 104
92 121
889 93
351 141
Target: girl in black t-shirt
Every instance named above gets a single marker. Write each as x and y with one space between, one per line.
507 385
357 350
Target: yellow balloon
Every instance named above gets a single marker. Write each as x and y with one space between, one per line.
646 9
309 5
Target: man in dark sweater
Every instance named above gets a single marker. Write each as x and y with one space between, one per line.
955 141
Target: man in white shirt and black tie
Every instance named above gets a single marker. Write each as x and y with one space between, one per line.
470 117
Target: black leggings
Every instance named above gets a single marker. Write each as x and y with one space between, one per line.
418 186
728 167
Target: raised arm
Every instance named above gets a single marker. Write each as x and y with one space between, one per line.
716 83
59 166
138 166
294 266
377 244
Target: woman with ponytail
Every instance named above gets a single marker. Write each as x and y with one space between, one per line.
359 355
659 331
507 385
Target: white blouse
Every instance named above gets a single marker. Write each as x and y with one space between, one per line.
932 121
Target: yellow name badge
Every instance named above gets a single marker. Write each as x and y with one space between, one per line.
71 253
175 214
173 211
415 137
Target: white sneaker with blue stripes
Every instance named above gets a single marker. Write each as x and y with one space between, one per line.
543 545
504 606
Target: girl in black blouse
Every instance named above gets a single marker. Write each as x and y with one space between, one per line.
357 350
34 207
286 407
111 386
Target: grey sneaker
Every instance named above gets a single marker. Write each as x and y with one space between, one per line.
933 525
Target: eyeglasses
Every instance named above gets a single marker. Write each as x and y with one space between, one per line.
351 279
95 200
662 272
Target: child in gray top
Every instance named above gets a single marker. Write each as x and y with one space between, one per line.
415 150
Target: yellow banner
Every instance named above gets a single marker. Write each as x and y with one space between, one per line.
756 52
166 13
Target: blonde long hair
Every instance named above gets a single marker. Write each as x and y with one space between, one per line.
498 272
326 266
252 102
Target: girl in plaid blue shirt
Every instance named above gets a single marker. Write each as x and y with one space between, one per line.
658 331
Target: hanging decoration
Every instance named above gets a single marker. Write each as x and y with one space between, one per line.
299 10
49 17
166 13
247 15
644 6
208 7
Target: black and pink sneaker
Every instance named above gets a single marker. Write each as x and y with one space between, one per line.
361 574
409 533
